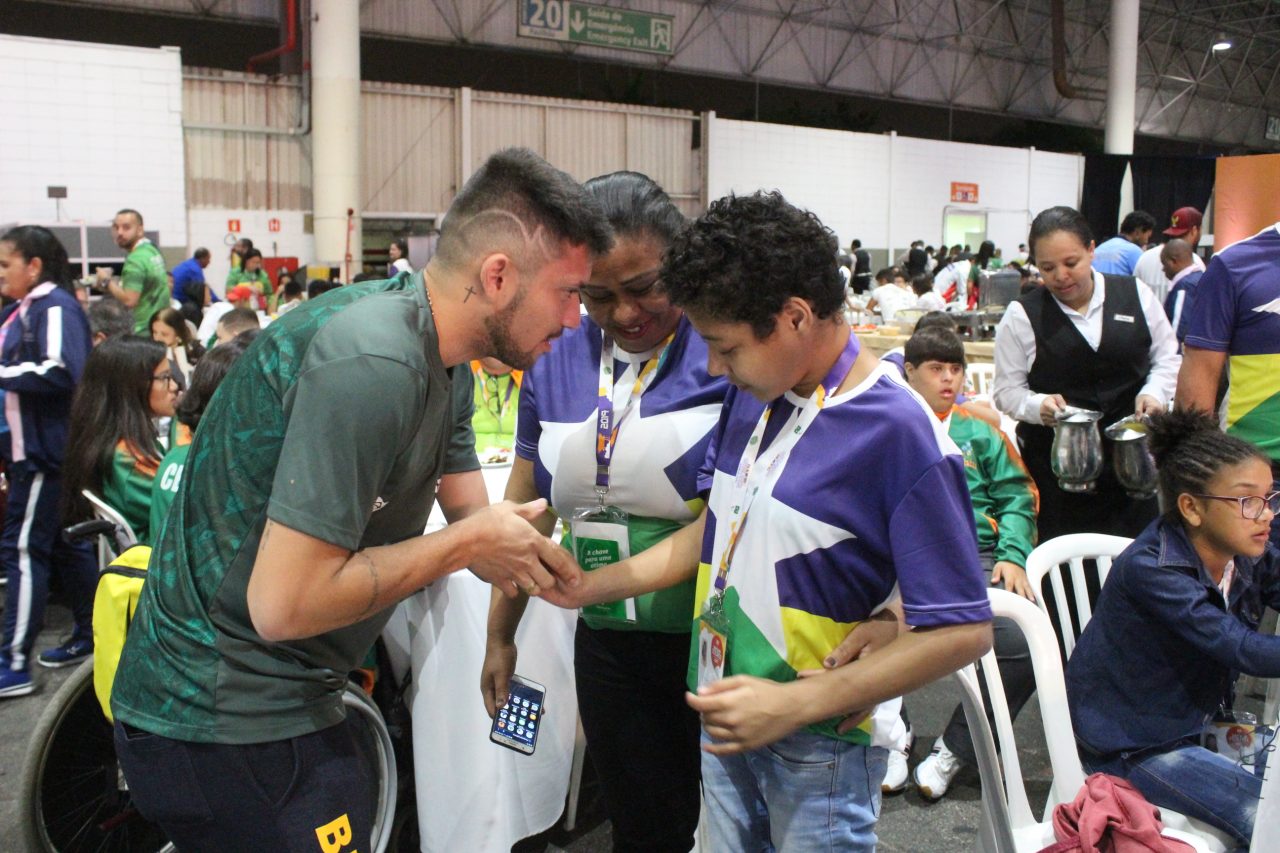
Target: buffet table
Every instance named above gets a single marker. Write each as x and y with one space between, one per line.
472 794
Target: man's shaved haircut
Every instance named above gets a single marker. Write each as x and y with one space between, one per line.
519 204
129 211
1176 250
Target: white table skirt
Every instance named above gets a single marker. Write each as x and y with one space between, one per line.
474 795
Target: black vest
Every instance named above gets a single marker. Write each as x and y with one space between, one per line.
1107 379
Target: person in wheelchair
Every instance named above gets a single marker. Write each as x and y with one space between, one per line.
44 343
1176 622
114 450
205 379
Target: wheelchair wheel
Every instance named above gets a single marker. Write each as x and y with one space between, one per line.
374 741
73 795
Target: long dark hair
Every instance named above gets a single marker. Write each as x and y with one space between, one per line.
111 405
1190 450
174 319
36 241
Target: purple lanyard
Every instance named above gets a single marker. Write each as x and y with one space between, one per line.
606 424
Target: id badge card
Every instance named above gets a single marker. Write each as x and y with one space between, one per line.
713 643
600 538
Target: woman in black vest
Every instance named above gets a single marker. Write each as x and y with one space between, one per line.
1084 339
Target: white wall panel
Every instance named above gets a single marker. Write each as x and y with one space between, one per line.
104 121
889 190
209 229
409 150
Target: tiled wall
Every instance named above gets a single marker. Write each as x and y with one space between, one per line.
101 120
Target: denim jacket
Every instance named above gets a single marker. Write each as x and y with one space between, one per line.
1163 649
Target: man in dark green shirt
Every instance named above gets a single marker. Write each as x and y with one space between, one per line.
298 522
144 283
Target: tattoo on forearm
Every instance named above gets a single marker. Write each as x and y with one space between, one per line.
377 585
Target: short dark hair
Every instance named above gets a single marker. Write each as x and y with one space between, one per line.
317 286
361 277
200 254
1057 219
1138 220
635 206
936 320
239 319
110 318
921 284
131 212
293 288
933 344
209 373
522 186
747 255
886 274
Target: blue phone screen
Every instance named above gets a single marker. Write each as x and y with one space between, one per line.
521 717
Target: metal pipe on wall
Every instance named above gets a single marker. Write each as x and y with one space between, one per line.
1122 77
336 132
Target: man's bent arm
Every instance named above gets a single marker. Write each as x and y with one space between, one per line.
1198 379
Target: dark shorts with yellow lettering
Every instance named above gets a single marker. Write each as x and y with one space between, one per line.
313 793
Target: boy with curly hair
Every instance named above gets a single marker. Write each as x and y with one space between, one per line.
831 487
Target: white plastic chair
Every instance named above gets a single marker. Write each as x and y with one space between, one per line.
979 377
1028 833
124 538
1071 551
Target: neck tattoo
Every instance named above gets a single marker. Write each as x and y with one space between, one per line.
471 291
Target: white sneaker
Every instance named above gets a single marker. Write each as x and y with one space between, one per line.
895 777
934 774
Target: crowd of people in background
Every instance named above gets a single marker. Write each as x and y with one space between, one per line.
704 386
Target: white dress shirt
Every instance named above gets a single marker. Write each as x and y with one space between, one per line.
1182 295
1016 351
1149 271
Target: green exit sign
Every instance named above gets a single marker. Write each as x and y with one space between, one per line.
592 24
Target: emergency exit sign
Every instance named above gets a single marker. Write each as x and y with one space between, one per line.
599 26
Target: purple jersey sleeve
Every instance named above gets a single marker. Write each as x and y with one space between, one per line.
935 550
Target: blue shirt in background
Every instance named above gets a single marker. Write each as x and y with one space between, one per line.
1116 256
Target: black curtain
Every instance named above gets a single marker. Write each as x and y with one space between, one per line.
1161 185
1100 200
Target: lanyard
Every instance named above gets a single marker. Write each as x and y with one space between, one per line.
752 470
606 424
483 376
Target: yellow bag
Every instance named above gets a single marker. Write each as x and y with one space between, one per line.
119 587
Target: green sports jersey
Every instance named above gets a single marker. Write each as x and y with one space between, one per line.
239 276
1005 500
336 422
144 274
165 486
126 487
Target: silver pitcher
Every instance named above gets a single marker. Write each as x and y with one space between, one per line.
1131 457
1076 458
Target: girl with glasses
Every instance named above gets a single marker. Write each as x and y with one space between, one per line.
114 448
1176 622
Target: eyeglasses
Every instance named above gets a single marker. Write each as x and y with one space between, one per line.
165 377
1251 506
645 288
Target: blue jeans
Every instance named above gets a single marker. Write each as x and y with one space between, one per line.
1193 781
805 792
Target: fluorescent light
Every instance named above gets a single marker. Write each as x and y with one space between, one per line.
1221 42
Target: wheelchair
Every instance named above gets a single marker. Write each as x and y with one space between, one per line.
73 797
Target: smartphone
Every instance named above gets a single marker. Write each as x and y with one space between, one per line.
517 723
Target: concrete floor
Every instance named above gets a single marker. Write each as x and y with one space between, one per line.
908 823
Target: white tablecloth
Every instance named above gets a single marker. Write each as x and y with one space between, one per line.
474 795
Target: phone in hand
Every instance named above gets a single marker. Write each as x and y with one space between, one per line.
517 723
